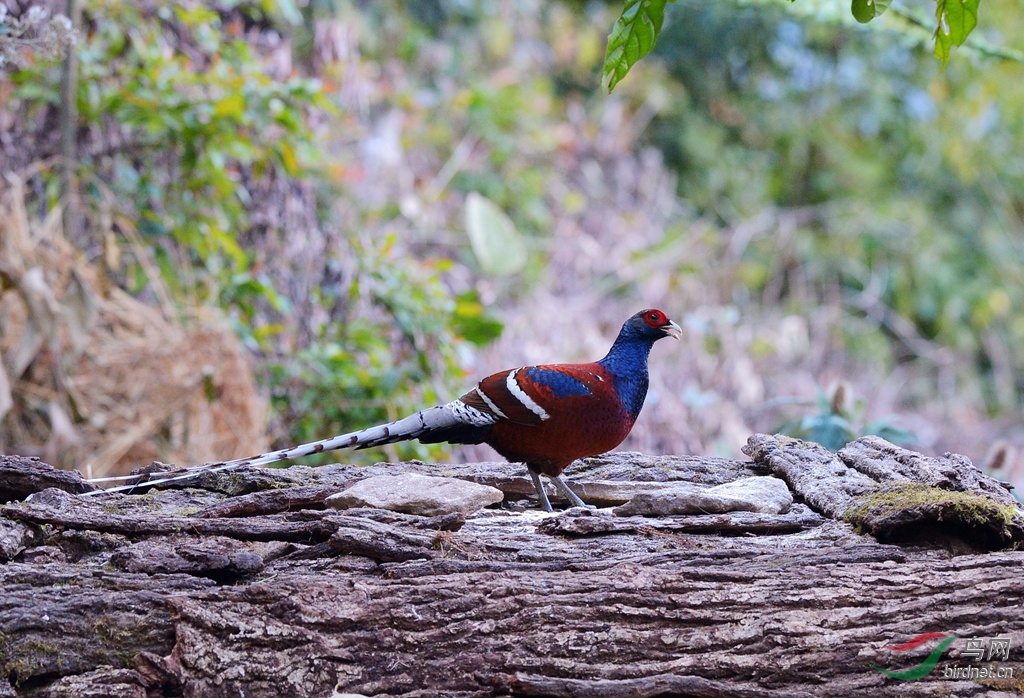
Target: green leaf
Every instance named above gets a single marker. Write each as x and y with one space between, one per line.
288 158
956 20
472 321
496 243
962 18
831 431
942 47
866 10
897 435
232 106
632 38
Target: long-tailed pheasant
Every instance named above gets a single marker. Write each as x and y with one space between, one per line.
545 416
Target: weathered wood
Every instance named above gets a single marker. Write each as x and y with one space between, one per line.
827 484
102 683
885 462
646 687
14 538
584 522
222 559
270 502
188 592
20 477
895 494
59 619
754 619
274 527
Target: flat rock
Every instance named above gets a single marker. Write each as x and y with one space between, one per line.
769 495
411 493
609 493
762 494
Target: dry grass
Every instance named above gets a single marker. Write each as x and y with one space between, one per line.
95 379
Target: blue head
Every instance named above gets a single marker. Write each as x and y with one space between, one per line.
627 359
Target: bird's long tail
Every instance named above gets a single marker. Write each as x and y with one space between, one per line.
434 421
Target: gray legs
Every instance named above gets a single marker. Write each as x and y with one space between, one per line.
570 495
561 485
541 494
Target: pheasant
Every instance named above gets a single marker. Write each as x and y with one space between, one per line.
545 416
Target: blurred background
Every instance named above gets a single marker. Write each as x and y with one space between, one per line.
230 225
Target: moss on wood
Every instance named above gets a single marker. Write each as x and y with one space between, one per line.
912 507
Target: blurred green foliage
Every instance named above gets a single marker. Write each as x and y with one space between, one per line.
898 190
379 366
902 185
196 114
196 125
838 420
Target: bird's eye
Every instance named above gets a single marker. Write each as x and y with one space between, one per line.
653 317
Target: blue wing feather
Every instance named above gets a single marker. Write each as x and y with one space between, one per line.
561 384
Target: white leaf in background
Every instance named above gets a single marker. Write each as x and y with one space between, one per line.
80 310
43 312
6 399
63 435
496 243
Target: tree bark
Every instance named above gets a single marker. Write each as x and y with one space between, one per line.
241 583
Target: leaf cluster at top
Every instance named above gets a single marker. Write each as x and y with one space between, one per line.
636 30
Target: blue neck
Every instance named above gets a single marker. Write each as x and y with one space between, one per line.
627 362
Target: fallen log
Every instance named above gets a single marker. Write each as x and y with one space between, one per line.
243 583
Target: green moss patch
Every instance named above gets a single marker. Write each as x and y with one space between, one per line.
914 512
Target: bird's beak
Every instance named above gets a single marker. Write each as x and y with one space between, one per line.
672 330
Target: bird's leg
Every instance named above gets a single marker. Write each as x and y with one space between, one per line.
541 494
564 487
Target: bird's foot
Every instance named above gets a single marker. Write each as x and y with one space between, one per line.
542 496
561 484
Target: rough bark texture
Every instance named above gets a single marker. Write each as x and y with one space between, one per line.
895 494
23 476
243 584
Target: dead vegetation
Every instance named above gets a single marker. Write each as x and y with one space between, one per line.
94 378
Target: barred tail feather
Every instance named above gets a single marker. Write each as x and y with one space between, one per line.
436 420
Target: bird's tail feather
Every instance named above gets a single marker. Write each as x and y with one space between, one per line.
435 419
